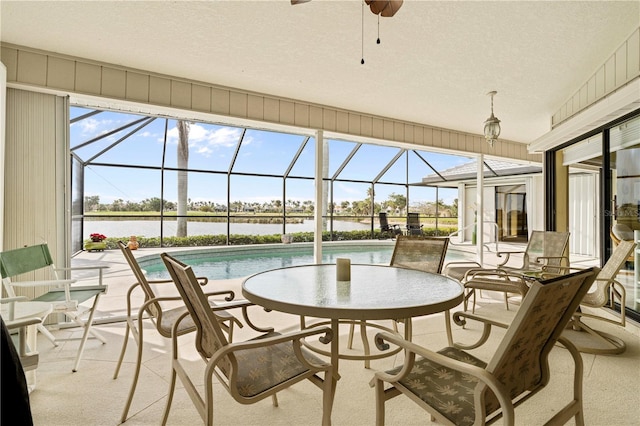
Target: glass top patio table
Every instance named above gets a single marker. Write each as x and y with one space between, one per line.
374 292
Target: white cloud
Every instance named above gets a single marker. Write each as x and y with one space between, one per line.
205 141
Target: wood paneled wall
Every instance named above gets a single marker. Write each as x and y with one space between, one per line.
65 74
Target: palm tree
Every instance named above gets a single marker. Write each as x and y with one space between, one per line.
183 180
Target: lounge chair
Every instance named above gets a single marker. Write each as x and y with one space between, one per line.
413 224
386 229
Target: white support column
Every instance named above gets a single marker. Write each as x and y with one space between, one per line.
318 211
480 211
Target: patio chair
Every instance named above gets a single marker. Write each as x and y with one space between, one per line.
250 371
386 229
456 388
65 297
28 357
621 232
412 252
606 291
162 314
544 249
413 224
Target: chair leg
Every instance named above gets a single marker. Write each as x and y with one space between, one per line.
87 330
42 329
122 351
136 374
274 399
327 397
172 387
380 399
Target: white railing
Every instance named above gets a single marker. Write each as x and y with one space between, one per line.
486 245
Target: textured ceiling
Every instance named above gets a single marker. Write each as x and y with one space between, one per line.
435 64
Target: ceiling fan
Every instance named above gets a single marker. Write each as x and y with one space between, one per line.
386 8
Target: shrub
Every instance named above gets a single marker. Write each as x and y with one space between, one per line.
239 239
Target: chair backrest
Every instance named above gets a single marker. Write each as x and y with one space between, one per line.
384 223
413 220
153 309
24 260
546 243
421 253
520 361
209 335
600 296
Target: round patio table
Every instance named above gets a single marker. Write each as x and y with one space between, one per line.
375 292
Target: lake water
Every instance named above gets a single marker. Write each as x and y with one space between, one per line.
151 228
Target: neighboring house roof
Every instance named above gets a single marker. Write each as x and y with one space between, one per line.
492 168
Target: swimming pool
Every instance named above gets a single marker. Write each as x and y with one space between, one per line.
229 262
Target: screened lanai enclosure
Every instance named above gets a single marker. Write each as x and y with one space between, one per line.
171 182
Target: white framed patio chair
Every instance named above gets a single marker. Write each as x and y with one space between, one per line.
518 369
251 370
162 313
29 358
64 296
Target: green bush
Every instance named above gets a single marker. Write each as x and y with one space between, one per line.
239 239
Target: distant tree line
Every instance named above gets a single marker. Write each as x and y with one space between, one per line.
394 205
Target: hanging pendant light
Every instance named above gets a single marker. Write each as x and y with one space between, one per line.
492 124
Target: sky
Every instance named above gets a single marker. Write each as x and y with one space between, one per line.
212 147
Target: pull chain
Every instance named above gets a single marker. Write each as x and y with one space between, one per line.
362 36
378 41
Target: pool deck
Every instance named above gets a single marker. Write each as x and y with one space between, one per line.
65 398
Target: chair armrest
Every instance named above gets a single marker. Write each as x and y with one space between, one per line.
230 295
507 255
239 303
99 268
484 272
22 322
326 337
201 281
42 283
159 281
411 350
464 263
540 258
14 299
82 268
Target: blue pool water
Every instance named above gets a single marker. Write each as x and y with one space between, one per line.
228 264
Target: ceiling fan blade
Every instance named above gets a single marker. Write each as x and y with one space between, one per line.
294 2
386 8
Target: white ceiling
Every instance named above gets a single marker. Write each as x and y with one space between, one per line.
435 64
